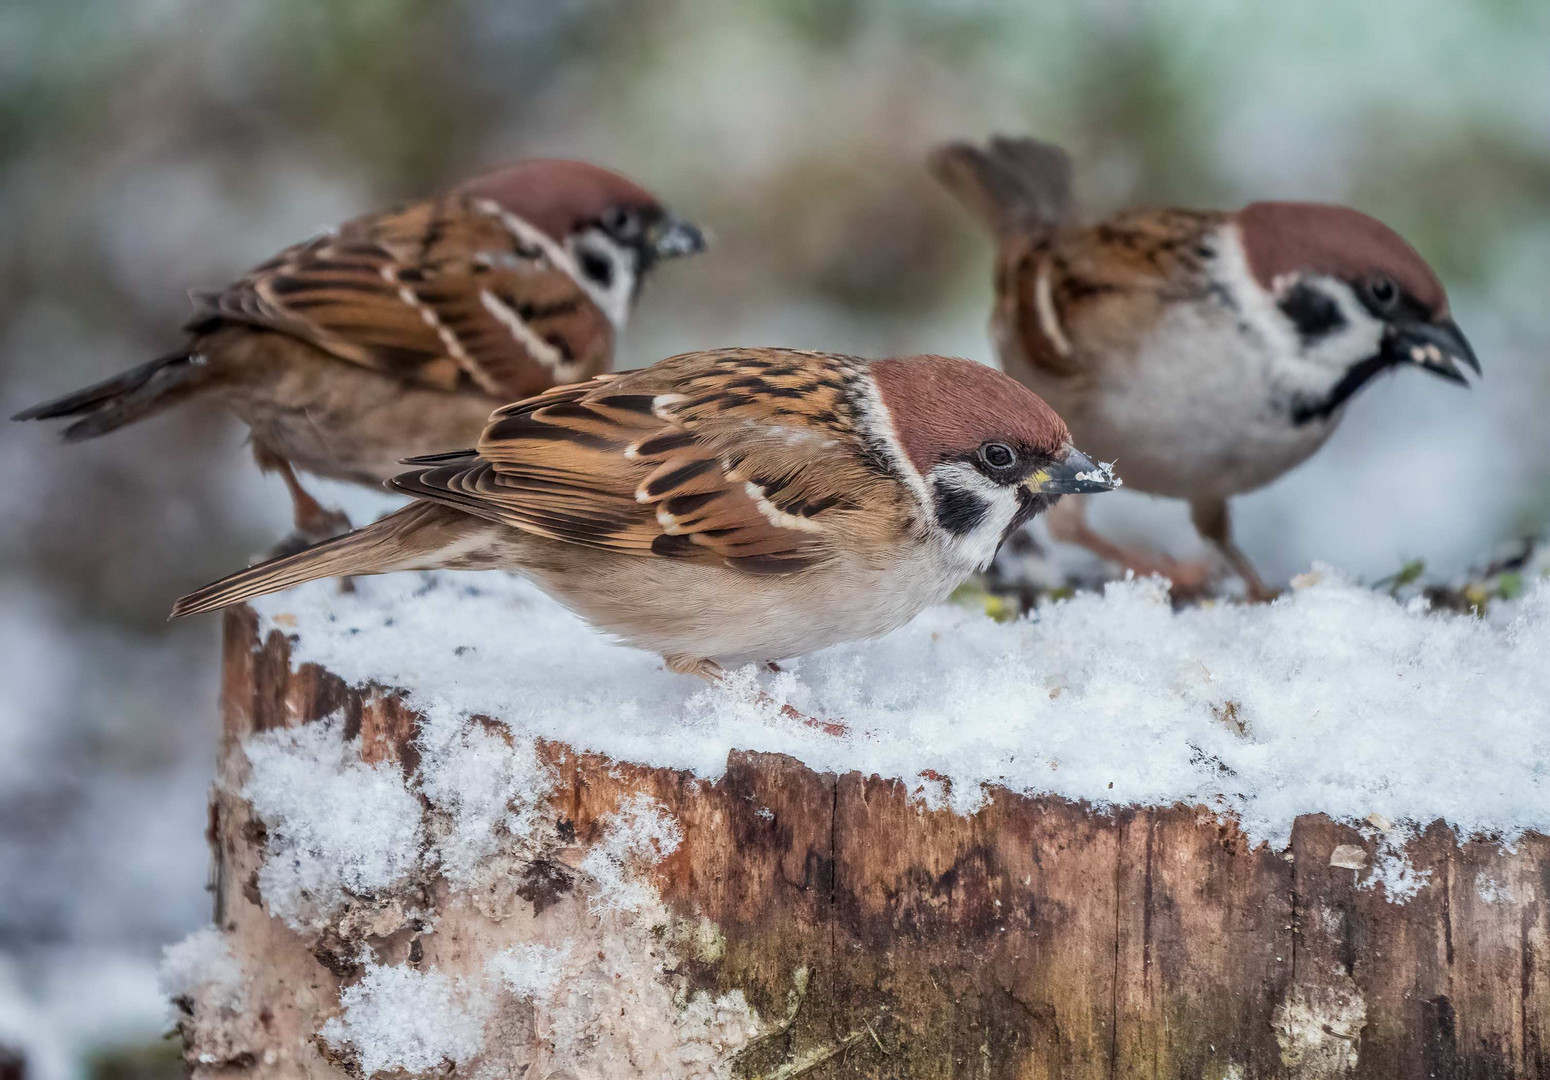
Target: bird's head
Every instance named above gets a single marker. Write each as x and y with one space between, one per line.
983 452
1358 298
614 230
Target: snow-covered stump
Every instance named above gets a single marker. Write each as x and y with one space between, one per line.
406 890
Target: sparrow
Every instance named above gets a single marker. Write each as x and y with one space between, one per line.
1206 352
400 332
726 507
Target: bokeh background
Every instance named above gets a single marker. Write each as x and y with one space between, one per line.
149 146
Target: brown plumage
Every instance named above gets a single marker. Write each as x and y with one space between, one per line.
398 333
741 504
1207 352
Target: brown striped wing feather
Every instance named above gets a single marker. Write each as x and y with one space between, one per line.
448 293
749 457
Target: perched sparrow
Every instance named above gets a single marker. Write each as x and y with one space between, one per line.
401 332
738 505
1207 352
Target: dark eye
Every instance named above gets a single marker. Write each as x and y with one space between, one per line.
620 221
1383 292
997 455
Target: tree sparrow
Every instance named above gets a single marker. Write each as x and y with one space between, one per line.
400 332
730 506
1207 352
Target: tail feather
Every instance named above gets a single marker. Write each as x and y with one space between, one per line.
407 539
129 396
1010 185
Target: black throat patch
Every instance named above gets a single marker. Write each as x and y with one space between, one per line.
1359 374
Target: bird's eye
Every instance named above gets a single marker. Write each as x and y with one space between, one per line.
1383 292
619 221
997 455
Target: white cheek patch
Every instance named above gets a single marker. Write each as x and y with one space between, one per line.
1291 367
615 297
1361 335
978 546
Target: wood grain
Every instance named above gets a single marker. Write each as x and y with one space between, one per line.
873 937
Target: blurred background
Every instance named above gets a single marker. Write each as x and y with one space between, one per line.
150 146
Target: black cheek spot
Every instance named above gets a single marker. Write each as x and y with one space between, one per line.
597 268
1312 311
958 510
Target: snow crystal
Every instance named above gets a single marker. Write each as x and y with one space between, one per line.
1335 698
488 785
1103 474
335 823
1492 891
201 965
637 836
1393 870
399 1018
529 970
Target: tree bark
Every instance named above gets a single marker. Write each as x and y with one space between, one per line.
870 936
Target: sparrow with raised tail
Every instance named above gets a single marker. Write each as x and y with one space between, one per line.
729 506
399 333
1207 352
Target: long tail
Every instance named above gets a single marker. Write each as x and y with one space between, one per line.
1011 185
125 398
407 539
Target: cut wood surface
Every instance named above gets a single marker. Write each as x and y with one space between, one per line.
796 923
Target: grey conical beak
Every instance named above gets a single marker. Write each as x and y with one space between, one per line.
1074 474
674 237
1439 347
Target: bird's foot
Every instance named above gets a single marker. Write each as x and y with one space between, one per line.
829 727
714 674
1257 592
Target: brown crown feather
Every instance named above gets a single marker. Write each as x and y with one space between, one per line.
1291 237
558 196
945 405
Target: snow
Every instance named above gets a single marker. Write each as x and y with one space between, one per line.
486 785
202 964
637 836
1334 699
396 1017
530 970
335 824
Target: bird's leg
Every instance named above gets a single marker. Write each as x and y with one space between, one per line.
313 522
713 673
1067 521
1213 522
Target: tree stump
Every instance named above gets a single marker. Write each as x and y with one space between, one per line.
780 922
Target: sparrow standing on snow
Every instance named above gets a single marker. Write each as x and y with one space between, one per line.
401 332
1206 352
730 506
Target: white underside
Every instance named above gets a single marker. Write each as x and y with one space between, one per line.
738 618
